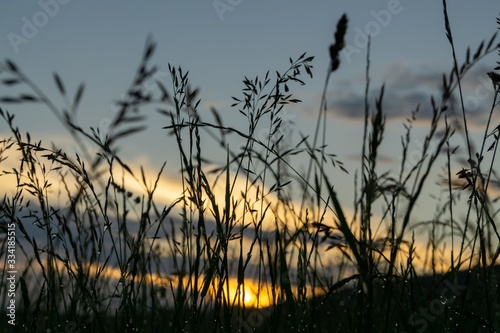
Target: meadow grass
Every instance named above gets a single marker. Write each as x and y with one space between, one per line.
255 242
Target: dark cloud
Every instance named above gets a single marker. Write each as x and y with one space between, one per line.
394 104
408 87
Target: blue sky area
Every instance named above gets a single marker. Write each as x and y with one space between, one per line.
220 42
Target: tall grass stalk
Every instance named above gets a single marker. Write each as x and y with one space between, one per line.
250 242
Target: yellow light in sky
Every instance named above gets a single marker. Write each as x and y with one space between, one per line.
248 293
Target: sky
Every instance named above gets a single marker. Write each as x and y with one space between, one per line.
221 42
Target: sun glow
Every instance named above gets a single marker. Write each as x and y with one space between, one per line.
247 293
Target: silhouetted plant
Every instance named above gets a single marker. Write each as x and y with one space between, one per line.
100 255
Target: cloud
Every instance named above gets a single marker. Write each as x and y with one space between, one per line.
407 87
352 105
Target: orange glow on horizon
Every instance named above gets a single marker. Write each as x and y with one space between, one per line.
246 293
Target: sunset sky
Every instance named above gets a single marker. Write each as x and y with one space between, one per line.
220 42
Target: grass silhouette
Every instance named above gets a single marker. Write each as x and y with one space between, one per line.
253 243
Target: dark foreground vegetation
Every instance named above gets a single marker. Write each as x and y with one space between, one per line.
258 240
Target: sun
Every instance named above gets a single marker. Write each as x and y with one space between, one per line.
248 293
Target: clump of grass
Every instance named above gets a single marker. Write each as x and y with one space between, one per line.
98 254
